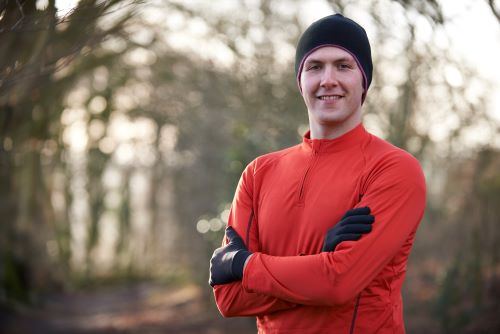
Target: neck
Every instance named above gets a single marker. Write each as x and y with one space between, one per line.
332 131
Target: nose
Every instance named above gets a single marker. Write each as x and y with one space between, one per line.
329 78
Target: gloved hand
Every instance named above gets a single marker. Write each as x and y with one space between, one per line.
354 223
227 262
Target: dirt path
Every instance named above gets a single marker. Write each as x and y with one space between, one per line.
141 308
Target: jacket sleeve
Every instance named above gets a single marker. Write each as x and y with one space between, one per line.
232 300
395 192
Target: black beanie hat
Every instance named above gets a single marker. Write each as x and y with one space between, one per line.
336 30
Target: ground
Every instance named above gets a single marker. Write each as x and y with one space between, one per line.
149 307
138 308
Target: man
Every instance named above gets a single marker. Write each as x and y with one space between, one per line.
285 260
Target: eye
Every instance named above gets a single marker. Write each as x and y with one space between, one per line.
344 66
313 67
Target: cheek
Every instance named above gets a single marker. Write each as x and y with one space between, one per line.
355 85
306 84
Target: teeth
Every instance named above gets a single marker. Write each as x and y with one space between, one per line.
329 97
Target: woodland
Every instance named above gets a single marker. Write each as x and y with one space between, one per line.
125 126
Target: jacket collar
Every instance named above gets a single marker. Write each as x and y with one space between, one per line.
348 140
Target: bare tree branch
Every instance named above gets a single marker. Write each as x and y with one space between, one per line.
494 9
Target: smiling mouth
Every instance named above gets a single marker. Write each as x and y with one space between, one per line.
329 97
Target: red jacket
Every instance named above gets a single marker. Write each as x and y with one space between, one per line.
285 203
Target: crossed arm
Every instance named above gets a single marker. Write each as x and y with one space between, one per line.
228 263
271 283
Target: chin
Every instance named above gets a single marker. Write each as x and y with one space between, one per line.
331 120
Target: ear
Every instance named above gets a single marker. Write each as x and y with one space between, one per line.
300 87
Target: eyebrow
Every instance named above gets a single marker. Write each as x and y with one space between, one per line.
339 60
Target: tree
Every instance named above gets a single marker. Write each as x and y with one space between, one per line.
42 56
494 8
469 293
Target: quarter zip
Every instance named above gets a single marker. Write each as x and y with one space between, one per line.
308 172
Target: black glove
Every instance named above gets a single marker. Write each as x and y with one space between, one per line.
354 223
227 262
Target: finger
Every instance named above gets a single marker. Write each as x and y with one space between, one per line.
357 211
210 277
355 228
344 237
231 234
348 237
365 219
211 274
330 245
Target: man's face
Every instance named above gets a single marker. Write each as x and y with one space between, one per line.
332 88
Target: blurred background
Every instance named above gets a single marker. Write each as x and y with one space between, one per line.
125 125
